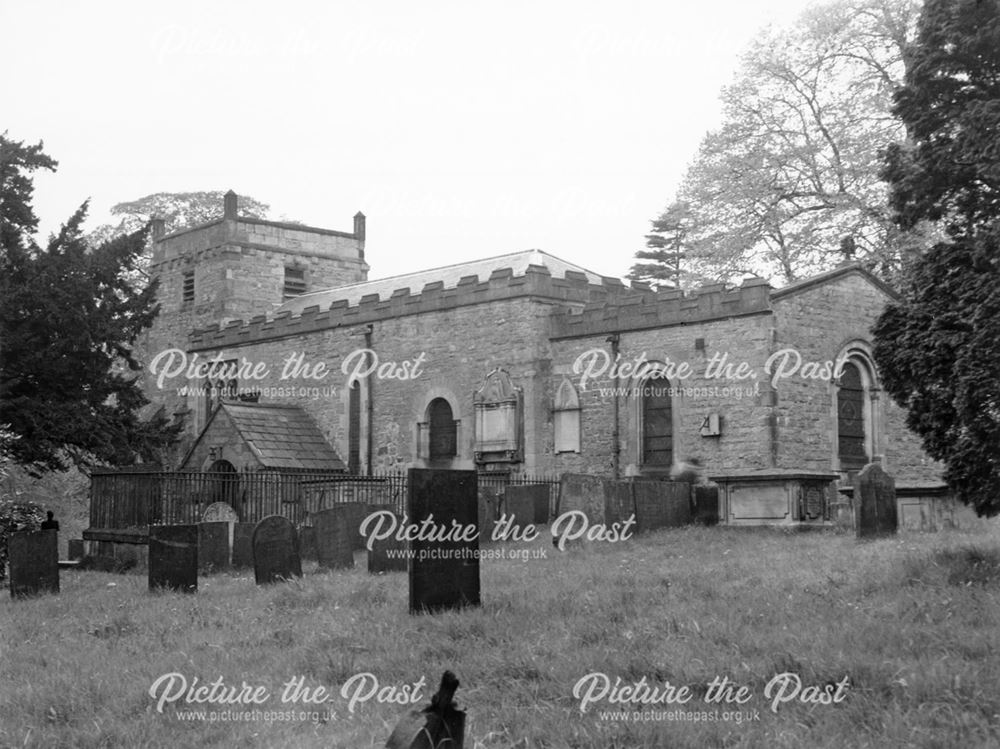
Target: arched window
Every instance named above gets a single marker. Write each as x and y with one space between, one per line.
566 415
354 428
657 422
442 441
853 418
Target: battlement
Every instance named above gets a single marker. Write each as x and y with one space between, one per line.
536 282
640 308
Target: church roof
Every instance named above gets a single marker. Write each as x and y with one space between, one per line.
449 275
281 436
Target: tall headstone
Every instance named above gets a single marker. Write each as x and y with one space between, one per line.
219 512
875 495
173 557
386 554
275 550
444 574
489 512
307 541
334 545
356 513
213 546
243 544
33 557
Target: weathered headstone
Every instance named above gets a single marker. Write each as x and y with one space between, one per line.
444 574
489 511
619 504
706 504
875 498
173 557
518 505
386 554
219 512
213 546
307 542
535 496
75 549
581 492
334 548
243 544
356 513
661 504
33 557
275 550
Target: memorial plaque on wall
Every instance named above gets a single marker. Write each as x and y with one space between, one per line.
33 557
443 574
275 550
173 557
332 528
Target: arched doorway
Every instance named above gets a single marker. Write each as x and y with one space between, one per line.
442 437
856 419
656 415
223 483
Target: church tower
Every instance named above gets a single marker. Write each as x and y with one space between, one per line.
235 268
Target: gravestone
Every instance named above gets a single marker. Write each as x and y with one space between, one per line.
875 497
518 505
578 491
356 513
213 546
379 558
33 557
219 512
489 511
275 550
444 574
661 504
706 504
75 549
243 544
307 542
619 504
536 496
173 557
332 526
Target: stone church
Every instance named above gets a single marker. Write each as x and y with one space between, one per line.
276 351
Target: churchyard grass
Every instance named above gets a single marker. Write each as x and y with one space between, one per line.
913 622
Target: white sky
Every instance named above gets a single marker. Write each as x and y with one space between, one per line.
461 129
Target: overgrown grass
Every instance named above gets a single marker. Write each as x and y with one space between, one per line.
911 621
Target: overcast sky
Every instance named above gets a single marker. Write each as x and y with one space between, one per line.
461 129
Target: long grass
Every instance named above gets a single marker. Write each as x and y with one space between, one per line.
913 622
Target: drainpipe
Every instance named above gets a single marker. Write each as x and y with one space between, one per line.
613 339
370 402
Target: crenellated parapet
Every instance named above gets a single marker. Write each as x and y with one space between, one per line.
640 308
573 290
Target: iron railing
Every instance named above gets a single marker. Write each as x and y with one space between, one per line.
135 499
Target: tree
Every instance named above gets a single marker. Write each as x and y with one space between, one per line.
794 169
69 315
665 251
179 210
938 348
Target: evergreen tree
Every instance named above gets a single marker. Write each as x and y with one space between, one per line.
69 316
938 348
